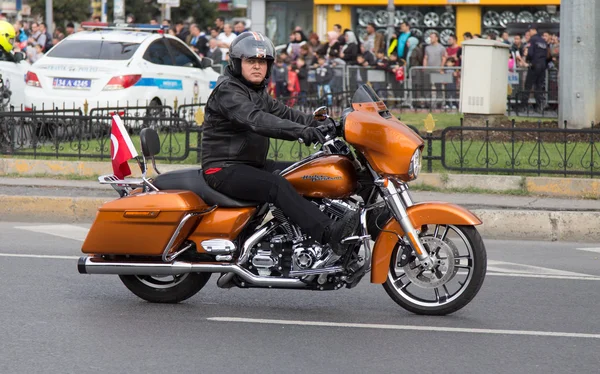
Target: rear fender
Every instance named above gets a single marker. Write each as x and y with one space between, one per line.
433 213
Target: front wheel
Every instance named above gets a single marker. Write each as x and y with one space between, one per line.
460 262
165 289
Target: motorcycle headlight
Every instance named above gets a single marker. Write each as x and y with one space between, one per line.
415 164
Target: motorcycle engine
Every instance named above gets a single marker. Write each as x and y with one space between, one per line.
278 254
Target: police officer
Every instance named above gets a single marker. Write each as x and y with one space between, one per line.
537 57
7 38
240 117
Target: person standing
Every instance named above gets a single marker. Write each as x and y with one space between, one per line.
226 38
435 56
402 39
537 59
214 52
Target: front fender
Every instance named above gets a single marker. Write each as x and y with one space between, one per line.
433 213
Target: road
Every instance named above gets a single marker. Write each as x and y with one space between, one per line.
536 313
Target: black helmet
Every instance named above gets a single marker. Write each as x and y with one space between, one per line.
250 44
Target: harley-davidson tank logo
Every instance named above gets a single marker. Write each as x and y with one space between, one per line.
317 177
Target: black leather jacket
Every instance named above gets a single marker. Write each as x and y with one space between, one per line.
239 119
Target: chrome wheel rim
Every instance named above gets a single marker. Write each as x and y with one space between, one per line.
449 280
161 281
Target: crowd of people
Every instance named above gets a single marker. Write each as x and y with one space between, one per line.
406 51
309 65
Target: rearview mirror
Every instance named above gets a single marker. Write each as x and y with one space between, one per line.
206 62
321 113
19 56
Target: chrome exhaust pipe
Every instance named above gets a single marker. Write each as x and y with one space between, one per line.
91 265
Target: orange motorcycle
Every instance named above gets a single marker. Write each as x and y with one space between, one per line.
165 236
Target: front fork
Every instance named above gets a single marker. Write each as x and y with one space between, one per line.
398 200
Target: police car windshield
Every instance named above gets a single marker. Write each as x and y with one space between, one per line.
94 50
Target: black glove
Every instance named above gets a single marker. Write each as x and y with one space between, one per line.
312 135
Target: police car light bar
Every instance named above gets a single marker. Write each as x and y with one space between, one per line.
124 26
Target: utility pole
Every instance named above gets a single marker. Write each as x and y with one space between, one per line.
579 79
49 17
391 21
119 11
104 12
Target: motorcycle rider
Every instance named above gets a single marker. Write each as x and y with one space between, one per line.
240 117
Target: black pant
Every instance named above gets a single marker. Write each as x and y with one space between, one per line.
248 183
535 78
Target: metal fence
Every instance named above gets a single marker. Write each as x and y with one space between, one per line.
435 88
538 148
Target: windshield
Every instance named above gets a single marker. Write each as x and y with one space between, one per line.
94 50
365 94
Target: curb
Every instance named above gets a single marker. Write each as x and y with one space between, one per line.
508 224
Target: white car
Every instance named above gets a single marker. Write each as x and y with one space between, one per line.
12 82
118 68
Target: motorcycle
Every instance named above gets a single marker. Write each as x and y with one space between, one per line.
166 236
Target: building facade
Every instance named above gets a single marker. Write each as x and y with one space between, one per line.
444 16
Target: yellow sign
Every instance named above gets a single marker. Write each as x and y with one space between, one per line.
199 116
429 123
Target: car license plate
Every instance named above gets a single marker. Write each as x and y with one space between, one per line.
79 84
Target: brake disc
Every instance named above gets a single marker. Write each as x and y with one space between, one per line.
431 19
525 17
507 17
381 18
491 19
445 265
400 16
445 36
447 19
366 17
414 18
541 16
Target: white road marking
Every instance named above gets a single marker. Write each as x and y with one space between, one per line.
515 268
568 277
55 257
405 327
64 231
596 250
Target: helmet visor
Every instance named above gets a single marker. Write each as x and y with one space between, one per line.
11 41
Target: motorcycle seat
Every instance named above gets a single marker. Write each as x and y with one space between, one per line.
193 180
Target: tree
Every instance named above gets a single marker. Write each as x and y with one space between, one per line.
63 10
203 12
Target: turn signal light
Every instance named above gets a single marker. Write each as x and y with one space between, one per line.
121 82
31 79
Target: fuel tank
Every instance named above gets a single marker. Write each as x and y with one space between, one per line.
330 176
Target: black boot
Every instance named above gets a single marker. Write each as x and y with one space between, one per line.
341 229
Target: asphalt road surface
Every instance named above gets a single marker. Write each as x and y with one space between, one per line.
538 312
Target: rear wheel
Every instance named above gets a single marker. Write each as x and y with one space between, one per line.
460 262
165 289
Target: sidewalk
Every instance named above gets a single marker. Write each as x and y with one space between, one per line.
504 216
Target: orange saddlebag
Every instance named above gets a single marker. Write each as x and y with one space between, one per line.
143 224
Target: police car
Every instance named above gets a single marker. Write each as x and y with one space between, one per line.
118 66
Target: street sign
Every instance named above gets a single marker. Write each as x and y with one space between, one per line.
172 3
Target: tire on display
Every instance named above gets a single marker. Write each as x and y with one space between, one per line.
170 289
397 286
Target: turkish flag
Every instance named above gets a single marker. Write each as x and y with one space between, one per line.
121 148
